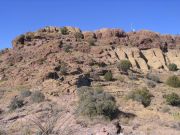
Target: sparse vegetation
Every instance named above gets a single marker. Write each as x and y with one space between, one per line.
37 97
64 31
91 41
25 93
173 81
120 78
124 65
172 67
63 69
151 84
96 102
173 99
108 76
78 35
67 48
16 103
141 95
153 77
132 76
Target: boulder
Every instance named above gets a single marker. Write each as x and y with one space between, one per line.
73 29
173 56
108 33
89 35
155 58
144 39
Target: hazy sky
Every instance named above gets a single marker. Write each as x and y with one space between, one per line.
19 16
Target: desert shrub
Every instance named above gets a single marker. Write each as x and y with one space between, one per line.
124 65
37 97
67 48
173 99
25 93
132 76
173 81
96 102
79 35
16 103
141 95
151 84
63 69
95 77
91 41
64 31
153 77
108 76
21 39
120 78
172 67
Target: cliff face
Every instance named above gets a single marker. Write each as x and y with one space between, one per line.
36 54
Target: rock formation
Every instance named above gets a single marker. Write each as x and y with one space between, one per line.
35 55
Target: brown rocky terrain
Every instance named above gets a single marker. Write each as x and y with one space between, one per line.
58 62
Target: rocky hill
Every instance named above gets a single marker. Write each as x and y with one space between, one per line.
57 61
37 54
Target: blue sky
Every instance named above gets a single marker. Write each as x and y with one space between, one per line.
20 16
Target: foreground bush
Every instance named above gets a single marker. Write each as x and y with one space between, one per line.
16 103
173 81
108 76
124 65
37 97
96 102
173 99
172 67
141 95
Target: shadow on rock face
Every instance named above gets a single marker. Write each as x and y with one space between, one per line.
83 81
52 75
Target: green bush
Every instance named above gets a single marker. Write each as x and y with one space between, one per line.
124 65
141 95
151 84
91 41
67 48
63 69
16 103
172 67
173 81
96 102
108 76
132 76
64 31
25 93
37 97
173 99
79 35
153 77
